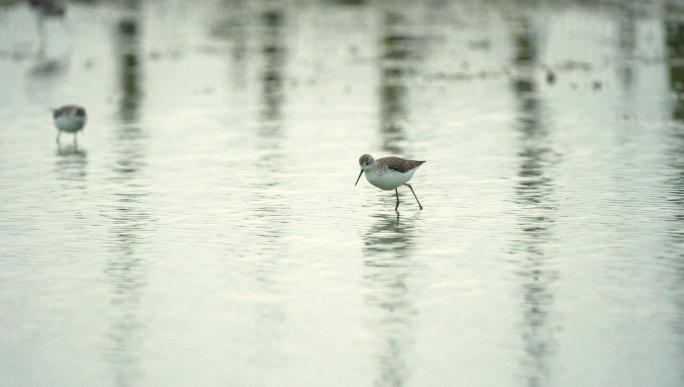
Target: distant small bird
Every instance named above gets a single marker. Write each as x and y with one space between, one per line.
70 119
388 173
550 77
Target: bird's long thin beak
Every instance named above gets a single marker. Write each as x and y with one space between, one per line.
357 180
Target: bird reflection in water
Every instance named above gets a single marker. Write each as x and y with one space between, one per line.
388 244
71 163
45 67
388 248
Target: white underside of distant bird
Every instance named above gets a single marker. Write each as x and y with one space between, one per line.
70 119
388 173
69 124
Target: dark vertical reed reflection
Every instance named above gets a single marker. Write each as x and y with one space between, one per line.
235 29
399 56
387 250
127 217
128 37
270 209
349 2
675 47
627 37
537 208
273 48
272 20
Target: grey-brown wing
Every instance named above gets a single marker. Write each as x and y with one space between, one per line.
398 164
58 112
68 109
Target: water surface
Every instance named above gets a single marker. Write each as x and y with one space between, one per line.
205 230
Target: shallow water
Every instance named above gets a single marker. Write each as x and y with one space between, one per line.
206 230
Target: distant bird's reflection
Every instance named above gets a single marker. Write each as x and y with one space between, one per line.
50 67
71 162
71 150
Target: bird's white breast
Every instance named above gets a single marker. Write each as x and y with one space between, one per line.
388 179
70 122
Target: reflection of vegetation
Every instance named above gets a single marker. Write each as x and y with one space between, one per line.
129 41
392 97
273 21
274 52
350 2
388 244
675 49
400 57
525 49
626 45
125 270
533 191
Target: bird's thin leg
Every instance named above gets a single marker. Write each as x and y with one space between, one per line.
414 195
397 206
59 132
75 138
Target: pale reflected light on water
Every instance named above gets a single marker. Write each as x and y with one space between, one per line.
206 230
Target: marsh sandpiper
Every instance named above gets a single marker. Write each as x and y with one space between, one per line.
388 173
70 119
